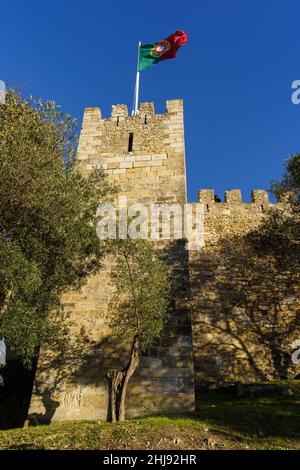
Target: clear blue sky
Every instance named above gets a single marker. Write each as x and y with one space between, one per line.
235 74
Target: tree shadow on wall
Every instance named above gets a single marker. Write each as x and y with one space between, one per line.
245 309
78 361
82 367
50 406
73 360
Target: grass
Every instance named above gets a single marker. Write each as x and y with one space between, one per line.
221 421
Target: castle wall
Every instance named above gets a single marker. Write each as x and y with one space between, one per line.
144 157
240 302
225 303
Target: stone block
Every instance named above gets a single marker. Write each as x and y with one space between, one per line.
126 164
119 110
206 196
260 197
233 197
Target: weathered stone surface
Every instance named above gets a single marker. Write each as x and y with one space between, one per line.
230 342
223 346
70 382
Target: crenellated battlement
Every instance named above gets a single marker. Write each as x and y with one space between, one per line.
145 151
121 111
233 216
233 198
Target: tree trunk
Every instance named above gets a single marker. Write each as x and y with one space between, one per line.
118 382
129 371
114 378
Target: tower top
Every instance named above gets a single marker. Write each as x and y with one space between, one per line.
121 110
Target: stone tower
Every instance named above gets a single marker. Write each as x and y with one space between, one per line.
144 156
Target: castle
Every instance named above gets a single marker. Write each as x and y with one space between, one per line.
144 155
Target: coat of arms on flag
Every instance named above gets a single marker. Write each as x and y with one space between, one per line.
160 48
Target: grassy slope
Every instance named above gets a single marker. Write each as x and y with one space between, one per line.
219 422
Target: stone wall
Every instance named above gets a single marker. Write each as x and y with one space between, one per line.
144 157
154 170
231 295
244 308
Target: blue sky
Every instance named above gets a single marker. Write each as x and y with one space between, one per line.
235 74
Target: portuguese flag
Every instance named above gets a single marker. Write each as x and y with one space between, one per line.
151 54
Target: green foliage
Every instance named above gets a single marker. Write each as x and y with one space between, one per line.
278 236
291 179
142 282
47 220
20 280
280 230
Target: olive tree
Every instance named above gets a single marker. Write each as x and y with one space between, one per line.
142 289
290 182
48 240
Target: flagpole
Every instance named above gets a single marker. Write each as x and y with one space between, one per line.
137 85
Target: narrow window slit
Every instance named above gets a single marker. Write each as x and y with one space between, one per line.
130 142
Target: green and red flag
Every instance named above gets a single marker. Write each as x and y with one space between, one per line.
151 54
